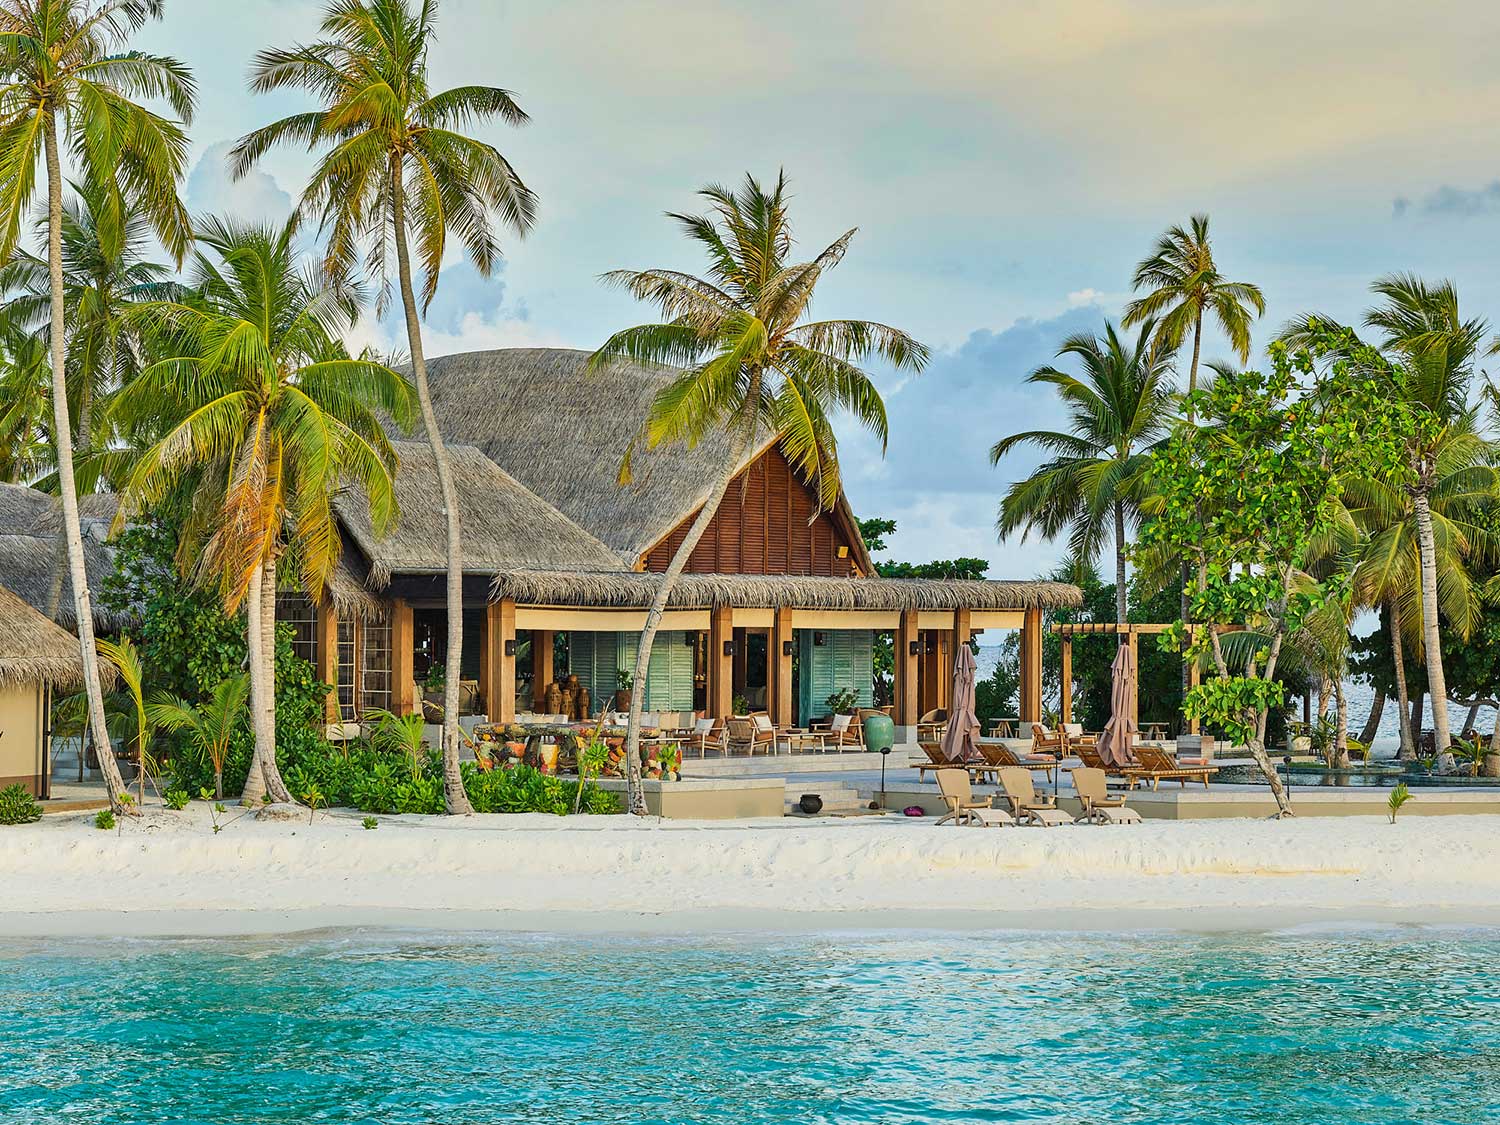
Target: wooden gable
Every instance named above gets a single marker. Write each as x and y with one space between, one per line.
769 523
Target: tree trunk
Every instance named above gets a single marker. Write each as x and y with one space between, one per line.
80 449
218 783
1469 720
455 799
1341 731
1372 724
272 772
636 796
1184 607
255 780
1257 748
1120 605
1408 749
66 484
1431 640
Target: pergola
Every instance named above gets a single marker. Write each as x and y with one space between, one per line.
1131 634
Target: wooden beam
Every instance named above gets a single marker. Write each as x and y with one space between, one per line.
1031 667
720 667
500 669
781 669
403 640
541 665
963 628
1065 678
907 634
328 656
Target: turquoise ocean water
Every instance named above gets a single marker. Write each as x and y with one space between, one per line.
1340 1026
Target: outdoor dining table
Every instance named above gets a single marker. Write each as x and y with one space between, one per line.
1004 727
799 738
1154 732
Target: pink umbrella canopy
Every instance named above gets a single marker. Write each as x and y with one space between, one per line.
961 739
1118 736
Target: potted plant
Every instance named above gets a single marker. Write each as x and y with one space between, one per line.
843 702
624 685
740 706
435 682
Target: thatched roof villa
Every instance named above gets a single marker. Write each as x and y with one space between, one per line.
36 658
779 606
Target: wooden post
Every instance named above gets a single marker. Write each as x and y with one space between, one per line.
963 630
328 655
906 669
1065 677
1135 659
541 666
778 650
943 641
1031 667
500 669
1194 678
403 640
720 667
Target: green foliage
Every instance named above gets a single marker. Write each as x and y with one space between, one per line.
996 695
1400 794
874 531
18 806
104 820
176 799
521 789
843 702
369 824
941 568
1471 751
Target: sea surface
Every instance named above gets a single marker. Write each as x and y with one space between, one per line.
1341 1025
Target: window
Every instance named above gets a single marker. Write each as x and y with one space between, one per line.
375 667
298 611
347 670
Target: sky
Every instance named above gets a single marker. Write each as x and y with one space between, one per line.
1007 162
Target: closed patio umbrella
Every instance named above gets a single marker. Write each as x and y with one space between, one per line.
1119 733
961 739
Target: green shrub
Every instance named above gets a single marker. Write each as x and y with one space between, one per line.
176 799
370 824
17 806
104 820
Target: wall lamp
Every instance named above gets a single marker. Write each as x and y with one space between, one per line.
728 648
786 648
510 648
914 647
820 639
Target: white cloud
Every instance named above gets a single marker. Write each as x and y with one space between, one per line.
1084 297
257 198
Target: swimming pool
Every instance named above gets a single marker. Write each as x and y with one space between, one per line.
1347 1026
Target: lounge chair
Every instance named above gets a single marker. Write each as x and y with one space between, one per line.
998 755
1090 757
1075 737
1098 806
841 731
1156 765
930 726
958 791
936 760
1044 741
744 734
1025 804
706 733
767 731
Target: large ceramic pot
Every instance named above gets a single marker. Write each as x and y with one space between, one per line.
880 733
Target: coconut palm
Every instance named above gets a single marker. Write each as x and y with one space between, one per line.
25 387
1090 489
210 725
1182 285
270 419
64 70
752 367
399 167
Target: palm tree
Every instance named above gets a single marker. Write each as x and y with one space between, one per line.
63 62
1090 488
752 366
25 386
1182 285
270 419
210 725
398 166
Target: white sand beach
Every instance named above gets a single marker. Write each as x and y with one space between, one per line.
168 873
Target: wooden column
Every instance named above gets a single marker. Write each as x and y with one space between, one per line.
720 667
1065 678
1031 667
963 630
500 669
780 678
328 655
541 666
403 640
1194 677
943 668
1135 660
906 670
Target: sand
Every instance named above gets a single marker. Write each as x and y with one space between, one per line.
169 873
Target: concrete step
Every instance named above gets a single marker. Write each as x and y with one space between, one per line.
836 798
788 765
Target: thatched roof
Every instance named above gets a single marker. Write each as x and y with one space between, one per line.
30 522
34 650
505 525
753 591
562 431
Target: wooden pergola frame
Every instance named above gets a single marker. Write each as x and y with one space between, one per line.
1067 630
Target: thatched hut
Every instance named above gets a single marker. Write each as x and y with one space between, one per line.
779 604
30 550
37 657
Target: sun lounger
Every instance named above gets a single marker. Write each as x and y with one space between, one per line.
999 755
1025 803
1044 741
1088 754
1098 806
1156 765
963 808
936 761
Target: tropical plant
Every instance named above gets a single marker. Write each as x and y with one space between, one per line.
176 799
25 405
268 420
752 365
18 806
1091 488
65 68
210 725
401 733
399 166
1400 794
843 701
104 819
125 657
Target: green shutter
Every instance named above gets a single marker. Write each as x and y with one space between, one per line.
846 659
669 681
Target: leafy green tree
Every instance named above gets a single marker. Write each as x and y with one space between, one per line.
270 419
65 68
399 166
1091 488
753 366
1246 495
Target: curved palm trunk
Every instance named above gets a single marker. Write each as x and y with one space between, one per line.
255 780
1431 640
1341 732
455 798
1184 608
67 486
80 449
635 793
269 769
1120 606
1408 748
